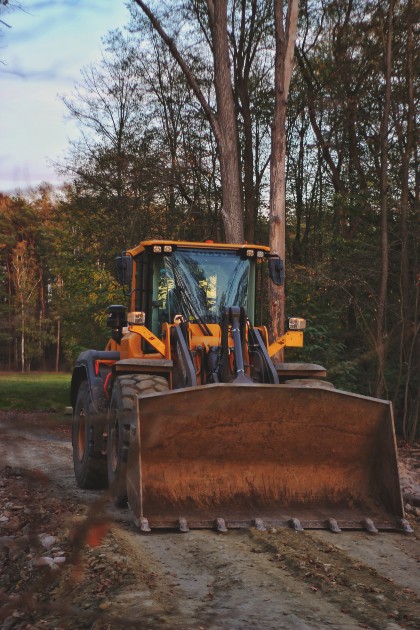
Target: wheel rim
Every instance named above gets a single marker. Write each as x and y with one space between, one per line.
114 442
81 436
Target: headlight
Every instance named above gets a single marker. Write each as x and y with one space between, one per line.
166 249
297 323
136 318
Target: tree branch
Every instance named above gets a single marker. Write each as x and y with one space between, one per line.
192 81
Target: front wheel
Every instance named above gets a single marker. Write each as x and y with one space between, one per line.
122 417
89 466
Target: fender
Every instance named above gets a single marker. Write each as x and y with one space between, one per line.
85 369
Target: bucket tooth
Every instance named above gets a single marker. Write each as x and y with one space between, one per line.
143 523
258 523
221 525
369 526
333 526
183 525
405 526
294 523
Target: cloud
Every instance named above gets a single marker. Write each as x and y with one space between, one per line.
41 55
52 74
61 30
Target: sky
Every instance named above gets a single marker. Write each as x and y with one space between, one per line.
41 55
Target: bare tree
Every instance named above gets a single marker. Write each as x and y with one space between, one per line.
382 301
284 61
24 273
251 45
7 6
222 121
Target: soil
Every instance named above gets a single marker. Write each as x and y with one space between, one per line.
68 560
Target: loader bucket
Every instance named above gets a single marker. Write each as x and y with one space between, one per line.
269 455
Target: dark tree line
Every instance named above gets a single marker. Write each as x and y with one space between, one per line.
147 164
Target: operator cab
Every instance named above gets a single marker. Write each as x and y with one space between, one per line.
196 285
192 282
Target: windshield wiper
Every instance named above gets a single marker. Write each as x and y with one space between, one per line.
189 304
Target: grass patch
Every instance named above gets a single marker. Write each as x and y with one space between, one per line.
34 391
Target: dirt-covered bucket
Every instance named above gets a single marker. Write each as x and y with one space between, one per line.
299 454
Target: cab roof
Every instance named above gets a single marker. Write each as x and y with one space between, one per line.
196 245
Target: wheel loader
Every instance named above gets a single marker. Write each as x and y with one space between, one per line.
187 416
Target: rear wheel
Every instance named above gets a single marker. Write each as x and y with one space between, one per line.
122 416
89 466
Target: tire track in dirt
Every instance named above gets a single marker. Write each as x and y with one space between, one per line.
245 579
350 583
205 580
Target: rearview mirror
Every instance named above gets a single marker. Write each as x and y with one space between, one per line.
276 270
124 269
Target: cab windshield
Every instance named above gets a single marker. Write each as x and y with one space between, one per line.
199 284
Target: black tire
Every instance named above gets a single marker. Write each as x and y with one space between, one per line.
121 417
89 466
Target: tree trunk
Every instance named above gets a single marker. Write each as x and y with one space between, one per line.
382 299
228 143
284 59
408 330
244 50
57 353
22 338
9 308
250 209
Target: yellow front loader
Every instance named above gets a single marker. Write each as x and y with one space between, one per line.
186 415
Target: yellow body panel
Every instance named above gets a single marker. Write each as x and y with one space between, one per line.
291 339
146 334
198 339
130 346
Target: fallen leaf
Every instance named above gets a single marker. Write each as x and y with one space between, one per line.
96 533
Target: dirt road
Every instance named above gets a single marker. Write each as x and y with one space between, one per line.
68 560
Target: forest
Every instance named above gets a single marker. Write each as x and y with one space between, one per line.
146 164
